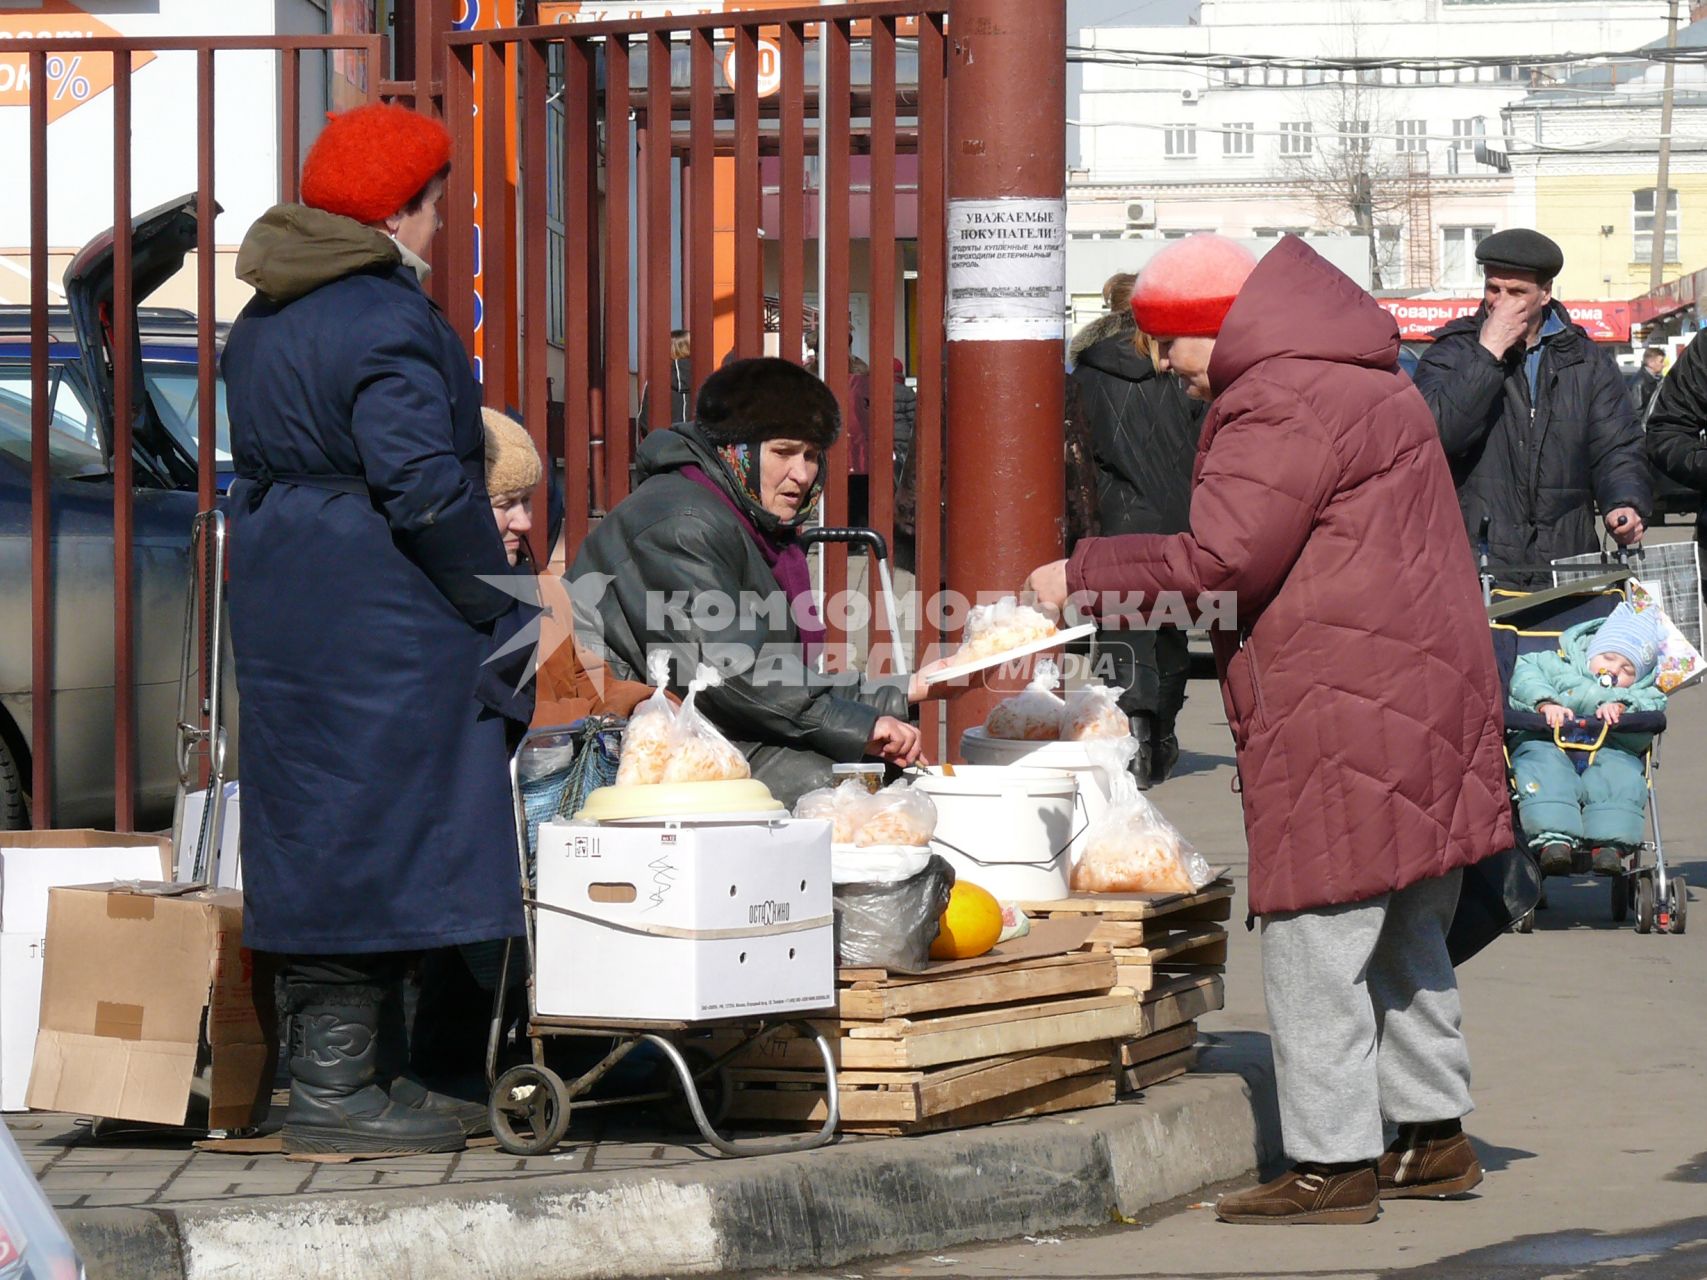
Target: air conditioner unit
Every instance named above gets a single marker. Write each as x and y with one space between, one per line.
1190 95
1140 213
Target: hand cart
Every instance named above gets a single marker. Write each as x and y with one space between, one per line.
531 1103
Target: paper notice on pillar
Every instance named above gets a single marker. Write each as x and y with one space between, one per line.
1007 270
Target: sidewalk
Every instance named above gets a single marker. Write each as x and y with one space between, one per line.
622 1207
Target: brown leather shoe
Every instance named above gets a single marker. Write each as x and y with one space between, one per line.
1427 1161
1307 1193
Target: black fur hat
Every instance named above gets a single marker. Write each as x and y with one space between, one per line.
749 401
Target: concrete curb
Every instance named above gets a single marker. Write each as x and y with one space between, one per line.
773 1213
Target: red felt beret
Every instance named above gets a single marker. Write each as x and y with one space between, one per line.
1186 290
368 163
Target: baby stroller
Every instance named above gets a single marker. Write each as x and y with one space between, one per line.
1533 622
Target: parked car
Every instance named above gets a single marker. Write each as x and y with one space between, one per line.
164 440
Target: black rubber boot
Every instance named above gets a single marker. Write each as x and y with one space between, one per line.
337 1103
1142 762
410 1089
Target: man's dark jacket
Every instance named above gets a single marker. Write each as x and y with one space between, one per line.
1143 431
1677 422
657 572
1535 470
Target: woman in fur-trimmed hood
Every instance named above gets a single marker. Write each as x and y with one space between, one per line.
709 533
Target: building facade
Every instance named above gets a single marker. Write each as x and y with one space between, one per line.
1233 125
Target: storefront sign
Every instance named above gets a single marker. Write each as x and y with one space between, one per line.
1420 317
1007 270
72 78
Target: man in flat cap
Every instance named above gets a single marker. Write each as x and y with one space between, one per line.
1535 418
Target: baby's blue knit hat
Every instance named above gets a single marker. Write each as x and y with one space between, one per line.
1631 634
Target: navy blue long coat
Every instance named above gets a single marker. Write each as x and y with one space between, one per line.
376 802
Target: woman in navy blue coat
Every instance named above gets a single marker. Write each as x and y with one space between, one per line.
366 599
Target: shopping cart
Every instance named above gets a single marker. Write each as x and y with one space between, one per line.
531 1102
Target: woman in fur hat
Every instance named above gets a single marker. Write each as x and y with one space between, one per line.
702 560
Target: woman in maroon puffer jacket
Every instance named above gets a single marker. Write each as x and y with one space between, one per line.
1360 687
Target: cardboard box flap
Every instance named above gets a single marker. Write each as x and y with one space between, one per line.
145 1080
144 968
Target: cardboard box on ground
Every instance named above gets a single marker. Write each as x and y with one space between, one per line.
148 1011
31 864
684 922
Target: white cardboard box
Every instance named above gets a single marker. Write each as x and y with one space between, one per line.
225 857
685 921
31 863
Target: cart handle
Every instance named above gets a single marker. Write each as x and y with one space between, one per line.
870 538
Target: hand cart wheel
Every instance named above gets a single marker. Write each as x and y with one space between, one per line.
529 1110
1620 898
1677 903
1645 906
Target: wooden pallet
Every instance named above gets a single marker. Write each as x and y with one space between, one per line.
908 1097
1213 902
1172 1003
1075 973
1156 1070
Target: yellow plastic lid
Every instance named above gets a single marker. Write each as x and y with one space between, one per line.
680 800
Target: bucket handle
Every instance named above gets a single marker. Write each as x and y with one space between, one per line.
1042 863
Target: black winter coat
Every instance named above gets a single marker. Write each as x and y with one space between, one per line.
376 800
1677 424
1143 429
1536 472
655 574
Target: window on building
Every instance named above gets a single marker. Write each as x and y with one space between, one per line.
1239 138
1466 133
1355 134
1428 75
1180 233
1274 233
1180 141
1412 135
1296 138
1458 254
1643 218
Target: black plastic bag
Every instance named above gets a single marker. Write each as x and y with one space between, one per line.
1496 892
891 926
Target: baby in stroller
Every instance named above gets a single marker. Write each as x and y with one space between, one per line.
1601 669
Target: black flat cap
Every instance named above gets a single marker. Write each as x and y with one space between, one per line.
1521 249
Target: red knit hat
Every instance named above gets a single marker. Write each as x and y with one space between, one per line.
1186 290
368 163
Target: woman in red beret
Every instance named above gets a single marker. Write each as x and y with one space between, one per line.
363 612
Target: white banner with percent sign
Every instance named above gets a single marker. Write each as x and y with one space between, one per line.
1007 270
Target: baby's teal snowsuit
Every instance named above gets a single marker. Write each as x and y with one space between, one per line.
1607 804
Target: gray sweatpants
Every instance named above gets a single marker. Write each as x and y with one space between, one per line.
1363 1011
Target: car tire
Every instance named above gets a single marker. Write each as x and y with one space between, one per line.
14 807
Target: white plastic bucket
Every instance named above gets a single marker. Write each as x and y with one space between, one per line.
1070 757
1006 829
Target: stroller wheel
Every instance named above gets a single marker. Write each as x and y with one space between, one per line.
1620 898
1525 923
1677 903
1645 906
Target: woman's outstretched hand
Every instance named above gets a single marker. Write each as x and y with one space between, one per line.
1047 585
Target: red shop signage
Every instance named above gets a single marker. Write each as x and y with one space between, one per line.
1419 317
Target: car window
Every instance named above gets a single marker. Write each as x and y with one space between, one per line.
176 393
73 452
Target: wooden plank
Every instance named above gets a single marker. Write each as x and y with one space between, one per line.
924 1093
1177 942
1159 1045
1071 1093
1133 979
1135 906
904 1028
1118 1020
1047 938
1033 980
1170 1009
1153 1072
